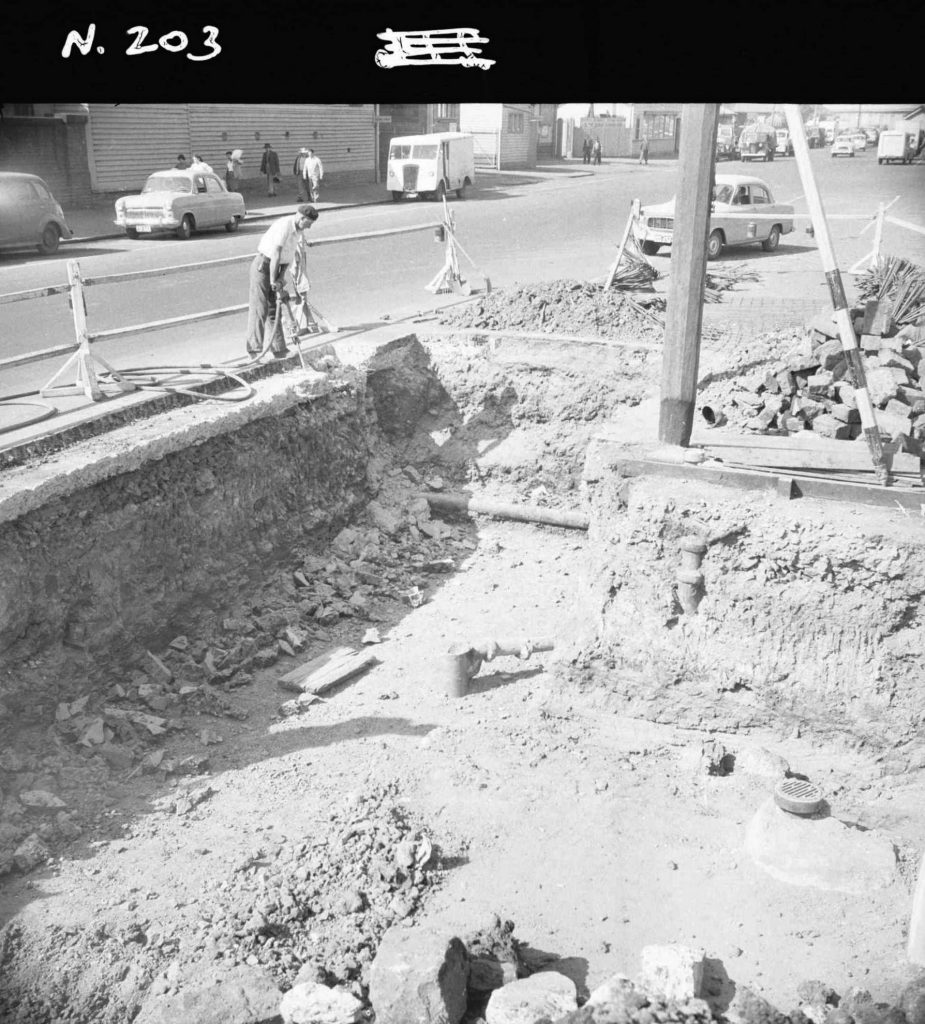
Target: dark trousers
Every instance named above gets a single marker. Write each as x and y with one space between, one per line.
262 306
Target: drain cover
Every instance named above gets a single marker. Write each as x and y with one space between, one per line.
798 796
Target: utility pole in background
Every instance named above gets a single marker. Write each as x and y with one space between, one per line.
688 273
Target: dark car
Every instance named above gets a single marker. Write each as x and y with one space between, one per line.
30 214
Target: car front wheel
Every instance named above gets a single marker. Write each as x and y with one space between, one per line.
461 191
396 196
51 236
649 248
772 241
186 227
714 245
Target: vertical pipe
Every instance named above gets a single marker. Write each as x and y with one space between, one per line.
849 341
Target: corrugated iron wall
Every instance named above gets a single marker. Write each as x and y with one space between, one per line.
131 140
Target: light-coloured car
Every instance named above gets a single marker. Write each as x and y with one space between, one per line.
29 214
859 141
842 146
181 202
744 211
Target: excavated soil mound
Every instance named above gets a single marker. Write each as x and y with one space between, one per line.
567 307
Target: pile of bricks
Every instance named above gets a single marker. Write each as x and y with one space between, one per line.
813 389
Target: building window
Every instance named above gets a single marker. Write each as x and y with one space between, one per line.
447 111
515 124
656 126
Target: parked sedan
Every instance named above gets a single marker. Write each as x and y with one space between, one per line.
743 211
181 202
842 146
30 214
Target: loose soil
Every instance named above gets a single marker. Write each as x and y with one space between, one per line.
250 831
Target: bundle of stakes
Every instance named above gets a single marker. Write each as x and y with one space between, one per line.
633 269
899 281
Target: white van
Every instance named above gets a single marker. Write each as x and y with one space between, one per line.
897 145
431 165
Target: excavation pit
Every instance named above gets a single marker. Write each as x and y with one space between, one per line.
168 569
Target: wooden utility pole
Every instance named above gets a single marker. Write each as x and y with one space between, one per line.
688 272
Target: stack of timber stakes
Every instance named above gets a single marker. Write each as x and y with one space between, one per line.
812 387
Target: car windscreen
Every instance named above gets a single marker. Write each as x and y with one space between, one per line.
722 193
167 183
400 153
424 153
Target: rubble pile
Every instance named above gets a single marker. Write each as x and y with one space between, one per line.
813 388
146 722
584 308
561 307
324 899
297 908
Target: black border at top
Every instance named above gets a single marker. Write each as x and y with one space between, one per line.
584 50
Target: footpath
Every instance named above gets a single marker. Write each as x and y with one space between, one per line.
95 220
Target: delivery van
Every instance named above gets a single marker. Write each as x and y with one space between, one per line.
430 166
895 146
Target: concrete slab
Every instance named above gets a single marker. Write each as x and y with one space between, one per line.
819 851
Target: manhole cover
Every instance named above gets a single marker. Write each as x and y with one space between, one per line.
798 796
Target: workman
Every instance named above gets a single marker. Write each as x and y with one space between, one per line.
275 252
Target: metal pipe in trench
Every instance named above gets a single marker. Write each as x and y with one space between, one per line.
501 510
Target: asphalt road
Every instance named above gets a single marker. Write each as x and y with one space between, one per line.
567 227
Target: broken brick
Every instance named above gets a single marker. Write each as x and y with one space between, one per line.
897 408
158 670
846 414
830 354
894 359
828 426
881 385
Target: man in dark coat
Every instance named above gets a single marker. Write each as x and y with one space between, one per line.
269 166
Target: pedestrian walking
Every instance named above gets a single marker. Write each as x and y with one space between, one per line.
199 165
644 151
276 250
230 176
300 182
596 150
313 172
586 151
269 166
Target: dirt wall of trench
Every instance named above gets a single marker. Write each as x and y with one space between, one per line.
811 613
94 578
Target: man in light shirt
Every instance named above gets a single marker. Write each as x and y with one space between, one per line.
312 172
275 252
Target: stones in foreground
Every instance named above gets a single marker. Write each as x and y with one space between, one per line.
419 976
